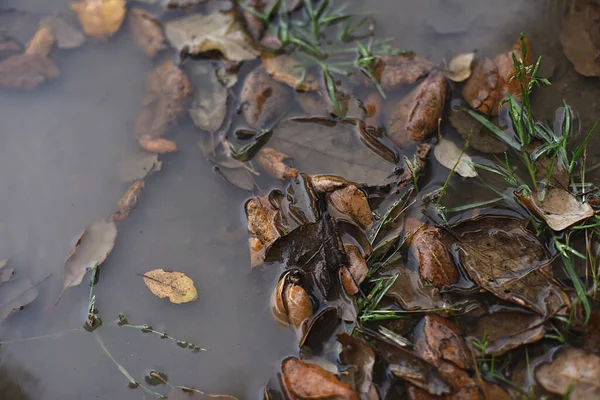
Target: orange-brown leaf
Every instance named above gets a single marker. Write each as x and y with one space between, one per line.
288 70
273 162
157 145
435 264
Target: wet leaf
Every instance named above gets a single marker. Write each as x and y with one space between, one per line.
5 273
453 158
92 247
479 137
238 177
42 42
290 303
304 381
288 70
139 165
434 260
572 371
412 293
579 36
317 104
355 272
459 68
16 294
560 209
507 330
503 257
146 31
67 36
209 106
254 25
416 116
387 232
26 71
128 201
100 18
157 145
350 203
249 151
260 215
220 31
273 162
164 100
185 393
395 71
356 352
175 286
263 99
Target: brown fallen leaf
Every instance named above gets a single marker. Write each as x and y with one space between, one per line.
263 99
573 371
128 201
42 42
373 109
459 68
220 31
434 260
260 216
174 285
100 18
24 71
290 303
209 105
450 156
350 202
92 248
395 71
416 116
254 25
355 272
288 70
579 36
479 137
272 161
358 353
67 36
412 293
164 100
146 32
304 381
317 104
157 145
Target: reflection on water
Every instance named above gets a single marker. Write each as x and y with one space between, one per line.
61 148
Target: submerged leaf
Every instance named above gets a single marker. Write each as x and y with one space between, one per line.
412 293
175 285
273 162
459 68
286 69
67 36
128 201
209 106
138 166
355 272
157 145
358 353
186 393
263 99
42 42
100 18
395 71
434 260
92 247
453 158
479 137
15 295
220 31
579 36
350 202
27 71
146 32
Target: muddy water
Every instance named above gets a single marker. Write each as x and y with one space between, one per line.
60 153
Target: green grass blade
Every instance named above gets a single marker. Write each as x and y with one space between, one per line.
495 129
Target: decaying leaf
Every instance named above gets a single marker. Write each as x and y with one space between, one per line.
506 330
146 31
100 18
157 145
503 257
164 100
288 70
15 295
573 371
24 71
355 272
416 116
139 165
263 99
579 36
238 177
350 202
395 71
304 381
560 209
453 158
412 293
479 137
357 352
434 260
273 162
209 105
220 31
67 36
128 201
290 303
176 286
260 215
92 247
42 42
459 68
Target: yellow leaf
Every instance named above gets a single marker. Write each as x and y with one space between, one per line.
175 285
100 18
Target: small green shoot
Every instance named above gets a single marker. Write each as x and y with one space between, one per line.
93 321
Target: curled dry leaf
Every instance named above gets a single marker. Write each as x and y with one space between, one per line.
459 68
209 105
24 71
42 42
128 201
355 272
506 330
479 137
273 162
416 116
175 285
560 209
434 260
573 371
358 353
263 99
146 32
92 247
350 202
453 158
505 258
157 145
67 36
100 18
395 71
288 70
164 100
220 31
304 381
579 36
290 303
